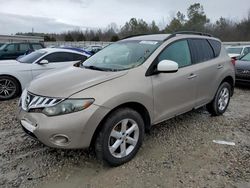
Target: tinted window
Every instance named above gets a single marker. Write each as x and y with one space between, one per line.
24 47
11 47
59 57
216 45
37 46
178 52
201 50
78 57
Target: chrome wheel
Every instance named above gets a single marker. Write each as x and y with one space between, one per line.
223 99
7 88
123 138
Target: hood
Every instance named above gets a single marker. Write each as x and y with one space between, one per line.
68 81
8 62
244 65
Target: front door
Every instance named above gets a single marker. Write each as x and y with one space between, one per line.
174 93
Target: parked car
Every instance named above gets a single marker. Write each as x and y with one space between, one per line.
14 50
15 75
94 48
119 93
242 67
238 51
1 44
77 49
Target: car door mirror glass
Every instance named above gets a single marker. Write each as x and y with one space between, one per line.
167 66
43 62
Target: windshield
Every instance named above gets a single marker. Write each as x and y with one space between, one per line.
121 55
234 50
30 58
246 57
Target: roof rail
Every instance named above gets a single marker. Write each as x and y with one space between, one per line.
187 33
136 35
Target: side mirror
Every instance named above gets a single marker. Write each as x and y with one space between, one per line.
167 66
6 50
43 62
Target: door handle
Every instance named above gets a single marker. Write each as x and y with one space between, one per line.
191 76
220 66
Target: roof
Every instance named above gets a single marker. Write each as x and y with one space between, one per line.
52 50
240 46
156 37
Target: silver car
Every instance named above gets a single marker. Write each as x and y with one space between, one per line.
111 99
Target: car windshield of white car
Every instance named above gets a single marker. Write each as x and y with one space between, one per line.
122 55
32 57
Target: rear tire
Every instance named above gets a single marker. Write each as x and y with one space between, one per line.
221 100
120 138
9 88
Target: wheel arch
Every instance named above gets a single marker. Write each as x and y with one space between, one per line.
141 109
230 80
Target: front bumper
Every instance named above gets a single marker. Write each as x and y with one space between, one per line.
243 78
78 127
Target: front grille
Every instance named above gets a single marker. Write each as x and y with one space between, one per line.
32 101
29 133
243 71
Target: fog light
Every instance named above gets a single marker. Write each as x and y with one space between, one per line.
60 139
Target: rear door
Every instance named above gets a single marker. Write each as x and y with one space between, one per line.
56 60
209 67
174 93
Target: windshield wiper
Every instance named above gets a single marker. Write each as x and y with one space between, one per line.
97 68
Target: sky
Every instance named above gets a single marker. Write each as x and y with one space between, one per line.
55 16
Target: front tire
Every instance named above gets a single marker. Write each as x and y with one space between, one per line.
121 137
9 88
221 100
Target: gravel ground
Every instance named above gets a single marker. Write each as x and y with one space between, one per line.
177 153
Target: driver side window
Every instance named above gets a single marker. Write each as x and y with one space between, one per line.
178 52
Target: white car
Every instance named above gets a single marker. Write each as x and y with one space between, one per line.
15 75
237 51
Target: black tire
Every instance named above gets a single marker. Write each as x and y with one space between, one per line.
12 83
213 107
104 137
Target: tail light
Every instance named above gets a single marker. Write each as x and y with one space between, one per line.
233 60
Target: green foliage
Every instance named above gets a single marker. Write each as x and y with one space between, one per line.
134 27
68 37
114 38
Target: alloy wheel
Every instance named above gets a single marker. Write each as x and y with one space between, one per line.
7 88
223 99
123 138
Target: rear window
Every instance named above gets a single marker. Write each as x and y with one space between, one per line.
200 50
216 45
234 50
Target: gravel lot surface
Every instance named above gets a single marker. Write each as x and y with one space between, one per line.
177 153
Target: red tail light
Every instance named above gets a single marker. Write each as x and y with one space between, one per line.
233 60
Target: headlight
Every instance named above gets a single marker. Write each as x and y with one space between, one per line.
68 106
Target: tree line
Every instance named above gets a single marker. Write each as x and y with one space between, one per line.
195 20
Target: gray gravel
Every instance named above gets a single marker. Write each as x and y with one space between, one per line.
177 153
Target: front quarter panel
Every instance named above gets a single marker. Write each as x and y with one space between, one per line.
22 72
